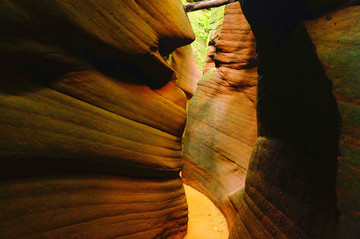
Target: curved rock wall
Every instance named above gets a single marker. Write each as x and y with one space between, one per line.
91 119
302 180
221 127
290 189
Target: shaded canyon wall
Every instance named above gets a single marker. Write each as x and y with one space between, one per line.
337 40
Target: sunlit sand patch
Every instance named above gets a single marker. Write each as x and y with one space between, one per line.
205 219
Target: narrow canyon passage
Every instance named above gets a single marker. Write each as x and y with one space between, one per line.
104 103
303 171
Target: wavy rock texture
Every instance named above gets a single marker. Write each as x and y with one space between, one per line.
290 189
91 119
221 127
92 207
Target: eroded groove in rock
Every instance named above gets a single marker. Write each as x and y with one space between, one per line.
86 89
221 127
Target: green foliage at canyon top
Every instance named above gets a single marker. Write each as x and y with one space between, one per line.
201 24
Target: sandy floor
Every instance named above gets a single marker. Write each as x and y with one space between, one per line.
205 220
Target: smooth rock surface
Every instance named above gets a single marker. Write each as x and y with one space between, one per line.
91 119
221 127
187 71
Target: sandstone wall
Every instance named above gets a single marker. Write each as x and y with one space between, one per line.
221 127
337 40
302 180
91 119
297 186
187 71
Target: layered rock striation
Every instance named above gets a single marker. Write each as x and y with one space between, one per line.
221 127
302 178
91 119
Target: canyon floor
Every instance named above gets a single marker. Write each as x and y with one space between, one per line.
205 219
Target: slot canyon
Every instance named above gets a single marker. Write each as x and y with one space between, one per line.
109 110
